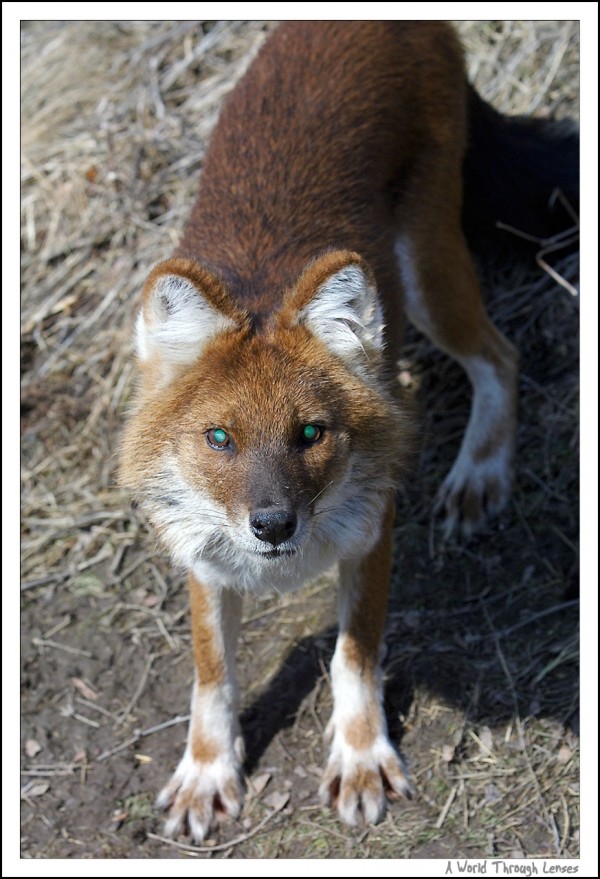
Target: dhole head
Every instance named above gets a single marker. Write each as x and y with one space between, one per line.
265 449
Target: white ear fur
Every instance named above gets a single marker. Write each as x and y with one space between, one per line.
346 315
176 322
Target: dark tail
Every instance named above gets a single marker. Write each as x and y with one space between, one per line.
513 170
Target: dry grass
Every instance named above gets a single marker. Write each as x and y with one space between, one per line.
482 671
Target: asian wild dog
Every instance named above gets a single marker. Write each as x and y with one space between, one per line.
268 432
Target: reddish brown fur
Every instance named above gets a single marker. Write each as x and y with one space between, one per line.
367 618
208 651
329 141
335 138
204 748
362 730
342 139
283 370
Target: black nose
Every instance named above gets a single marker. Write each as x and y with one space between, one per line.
273 524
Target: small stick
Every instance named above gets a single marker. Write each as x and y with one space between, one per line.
138 692
446 808
142 735
41 642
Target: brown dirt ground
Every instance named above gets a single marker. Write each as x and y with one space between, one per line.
482 641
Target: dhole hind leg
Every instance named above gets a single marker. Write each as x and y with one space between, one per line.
363 766
443 299
206 784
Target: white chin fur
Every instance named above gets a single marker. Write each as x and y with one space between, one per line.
201 537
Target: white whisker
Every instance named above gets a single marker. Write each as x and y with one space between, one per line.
320 493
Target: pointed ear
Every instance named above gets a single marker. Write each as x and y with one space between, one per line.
183 307
336 299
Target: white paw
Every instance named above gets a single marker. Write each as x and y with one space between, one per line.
473 492
198 794
357 781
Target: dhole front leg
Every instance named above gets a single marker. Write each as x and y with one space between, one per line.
363 766
206 784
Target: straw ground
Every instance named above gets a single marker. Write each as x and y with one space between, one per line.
482 647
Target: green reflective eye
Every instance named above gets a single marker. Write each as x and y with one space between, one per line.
311 433
217 438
